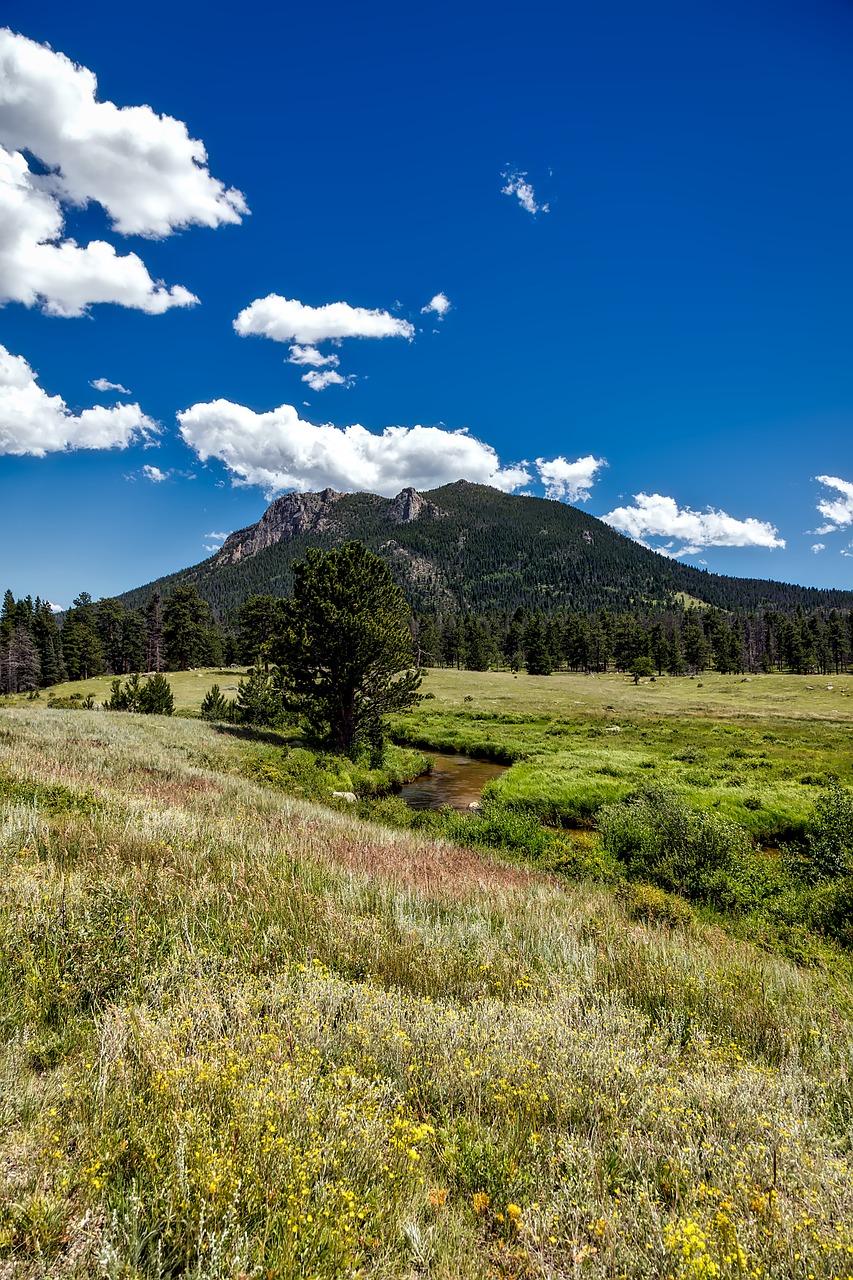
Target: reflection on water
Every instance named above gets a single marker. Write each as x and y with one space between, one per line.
455 780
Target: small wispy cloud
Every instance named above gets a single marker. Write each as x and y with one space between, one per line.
216 541
817 547
518 186
102 384
838 511
311 356
439 304
319 379
154 474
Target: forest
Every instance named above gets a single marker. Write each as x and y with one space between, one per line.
178 631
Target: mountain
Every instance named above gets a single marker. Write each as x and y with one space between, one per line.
471 547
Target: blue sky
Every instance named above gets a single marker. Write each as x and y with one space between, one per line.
635 221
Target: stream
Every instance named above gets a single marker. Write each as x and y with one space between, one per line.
455 780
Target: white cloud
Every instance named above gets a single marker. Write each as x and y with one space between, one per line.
839 511
311 356
216 537
38 266
658 516
287 320
154 474
318 380
517 185
32 422
569 480
55 608
817 547
101 384
440 304
279 451
143 169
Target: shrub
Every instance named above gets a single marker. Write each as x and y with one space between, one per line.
647 902
661 839
831 834
579 859
831 909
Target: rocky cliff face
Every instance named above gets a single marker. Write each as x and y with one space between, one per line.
410 505
287 517
299 513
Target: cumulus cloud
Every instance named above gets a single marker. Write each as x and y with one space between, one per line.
817 547
518 186
287 320
142 168
440 304
319 379
279 451
658 516
569 480
101 384
154 474
33 422
838 511
38 267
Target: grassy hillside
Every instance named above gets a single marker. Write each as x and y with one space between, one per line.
494 551
246 1036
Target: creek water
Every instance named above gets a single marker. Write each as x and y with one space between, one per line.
455 780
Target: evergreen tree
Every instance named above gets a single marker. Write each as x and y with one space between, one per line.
258 701
187 627
156 698
214 704
538 659
20 669
345 655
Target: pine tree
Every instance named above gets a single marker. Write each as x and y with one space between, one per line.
538 659
345 655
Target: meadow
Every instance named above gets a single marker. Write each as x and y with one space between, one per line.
247 1035
752 749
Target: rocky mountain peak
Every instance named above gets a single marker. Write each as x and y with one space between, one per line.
410 505
288 516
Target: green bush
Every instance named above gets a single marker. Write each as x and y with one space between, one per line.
648 902
830 909
578 860
831 834
661 839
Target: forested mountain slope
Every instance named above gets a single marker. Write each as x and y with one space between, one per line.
470 547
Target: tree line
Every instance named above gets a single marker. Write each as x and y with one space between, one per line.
178 631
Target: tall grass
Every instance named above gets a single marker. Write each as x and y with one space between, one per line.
248 1036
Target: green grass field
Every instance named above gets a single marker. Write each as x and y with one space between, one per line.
246 1036
753 750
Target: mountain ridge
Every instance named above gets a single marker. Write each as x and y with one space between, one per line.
473 548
